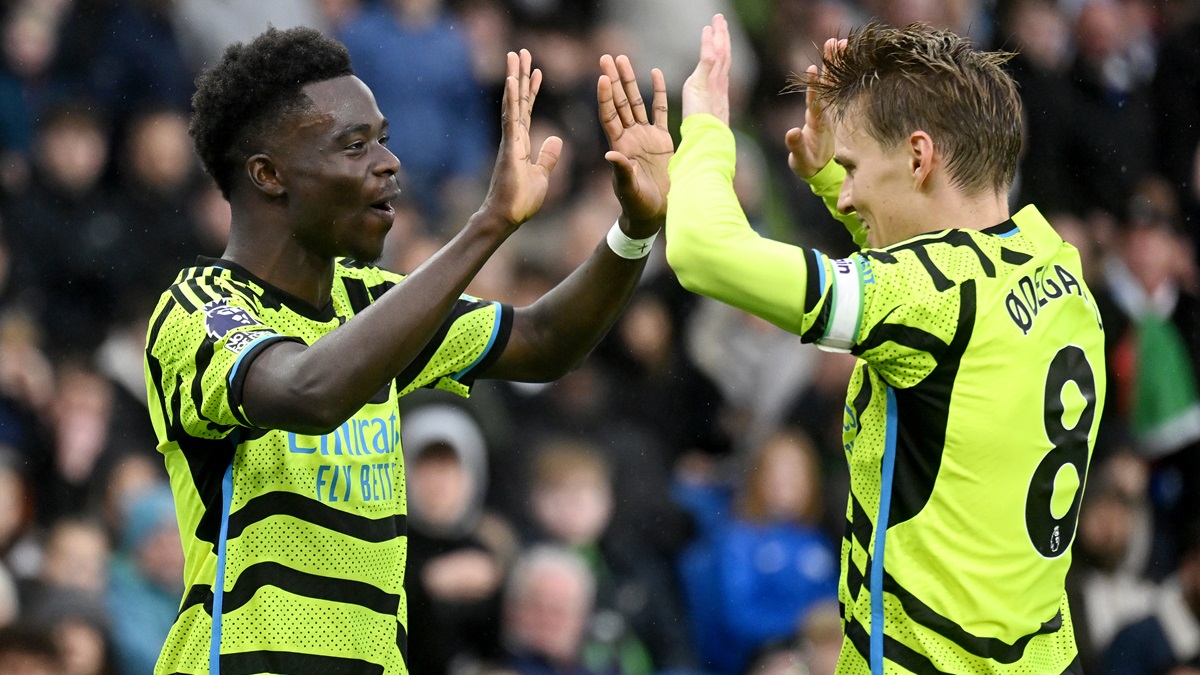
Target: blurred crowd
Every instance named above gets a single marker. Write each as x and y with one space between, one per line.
676 504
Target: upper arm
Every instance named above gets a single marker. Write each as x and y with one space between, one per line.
474 336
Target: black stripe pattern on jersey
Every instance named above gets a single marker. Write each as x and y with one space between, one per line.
154 365
422 359
983 647
1014 257
812 285
183 300
200 594
313 512
859 637
922 415
203 359
817 330
402 641
356 292
918 247
858 529
207 459
900 653
270 573
294 663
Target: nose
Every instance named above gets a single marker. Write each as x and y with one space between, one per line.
845 203
389 164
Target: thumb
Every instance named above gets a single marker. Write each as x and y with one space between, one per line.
794 140
623 168
549 154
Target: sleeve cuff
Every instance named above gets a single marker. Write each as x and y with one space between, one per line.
828 181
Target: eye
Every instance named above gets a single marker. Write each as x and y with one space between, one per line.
383 140
356 145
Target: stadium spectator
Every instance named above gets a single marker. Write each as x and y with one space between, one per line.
458 552
571 502
1164 643
145 580
548 603
1152 344
751 581
63 231
1107 582
27 651
79 625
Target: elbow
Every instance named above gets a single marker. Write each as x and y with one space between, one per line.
551 369
683 261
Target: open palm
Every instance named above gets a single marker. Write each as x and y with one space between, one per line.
519 183
640 149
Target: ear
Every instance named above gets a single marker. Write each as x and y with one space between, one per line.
920 148
261 170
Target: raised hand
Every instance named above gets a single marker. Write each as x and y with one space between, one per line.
707 89
640 150
811 148
518 182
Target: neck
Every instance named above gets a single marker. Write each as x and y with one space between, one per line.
954 210
280 261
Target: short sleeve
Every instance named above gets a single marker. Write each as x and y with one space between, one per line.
470 339
200 349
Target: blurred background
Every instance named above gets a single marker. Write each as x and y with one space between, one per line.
676 504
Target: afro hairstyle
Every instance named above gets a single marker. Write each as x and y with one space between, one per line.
253 86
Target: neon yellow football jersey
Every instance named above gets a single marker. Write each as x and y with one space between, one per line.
294 545
969 420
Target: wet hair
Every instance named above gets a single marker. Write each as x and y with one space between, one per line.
901 80
255 85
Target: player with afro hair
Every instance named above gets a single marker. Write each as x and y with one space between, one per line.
255 86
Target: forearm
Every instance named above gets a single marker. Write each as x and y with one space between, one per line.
710 244
316 388
557 332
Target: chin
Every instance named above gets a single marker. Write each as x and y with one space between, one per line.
367 255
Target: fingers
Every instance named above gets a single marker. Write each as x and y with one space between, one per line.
813 103
620 98
526 63
610 121
722 49
510 106
705 65
621 105
660 98
632 95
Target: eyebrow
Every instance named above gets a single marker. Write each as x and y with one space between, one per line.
360 129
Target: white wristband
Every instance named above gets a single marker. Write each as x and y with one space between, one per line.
628 248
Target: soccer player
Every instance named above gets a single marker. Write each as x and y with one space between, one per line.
274 372
971 415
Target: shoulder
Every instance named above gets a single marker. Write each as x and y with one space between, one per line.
205 302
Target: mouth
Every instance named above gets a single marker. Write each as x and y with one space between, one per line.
384 206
